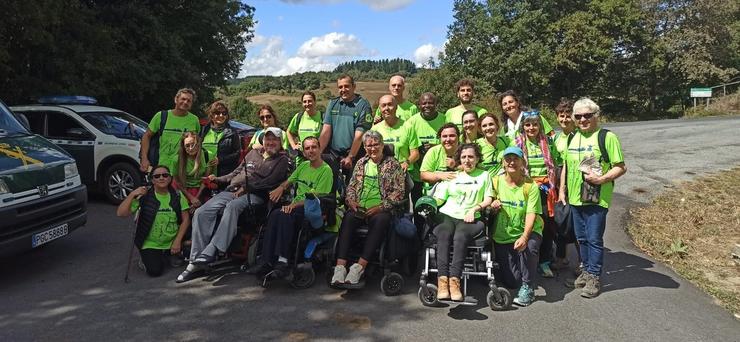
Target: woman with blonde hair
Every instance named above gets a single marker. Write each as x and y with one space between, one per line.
192 166
220 140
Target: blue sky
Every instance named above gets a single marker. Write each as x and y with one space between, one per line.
314 35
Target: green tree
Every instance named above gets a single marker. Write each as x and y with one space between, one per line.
132 55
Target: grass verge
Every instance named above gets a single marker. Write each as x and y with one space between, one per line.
693 229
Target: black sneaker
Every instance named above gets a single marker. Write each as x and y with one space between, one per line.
282 270
260 269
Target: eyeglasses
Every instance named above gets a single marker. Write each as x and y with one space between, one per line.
160 175
190 146
586 116
530 114
265 117
221 114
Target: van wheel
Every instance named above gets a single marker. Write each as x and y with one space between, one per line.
119 180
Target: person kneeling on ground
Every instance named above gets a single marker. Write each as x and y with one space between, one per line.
314 176
375 190
162 222
261 171
464 197
518 233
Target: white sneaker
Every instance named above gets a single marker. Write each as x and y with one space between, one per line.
354 275
340 273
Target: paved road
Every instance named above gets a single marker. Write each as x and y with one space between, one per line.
73 288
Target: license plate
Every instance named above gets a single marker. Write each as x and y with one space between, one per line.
39 239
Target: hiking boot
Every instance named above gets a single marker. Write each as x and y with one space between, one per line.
592 288
544 270
455 293
355 273
525 295
443 288
340 275
578 282
579 270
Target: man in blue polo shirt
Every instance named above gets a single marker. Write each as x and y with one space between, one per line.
347 117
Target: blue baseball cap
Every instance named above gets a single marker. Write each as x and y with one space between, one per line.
514 150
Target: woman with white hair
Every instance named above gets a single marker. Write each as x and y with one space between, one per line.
589 188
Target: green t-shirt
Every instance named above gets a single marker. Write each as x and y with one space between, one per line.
535 158
463 193
405 110
435 160
514 209
345 118
370 195
402 138
561 144
454 115
513 130
164 229
283 139
582 146
210 143
193 180
169 142
308 179
492 154
310 126
426 130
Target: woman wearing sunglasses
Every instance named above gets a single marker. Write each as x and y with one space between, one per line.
268 119
511 114
162 220
220 140
540 157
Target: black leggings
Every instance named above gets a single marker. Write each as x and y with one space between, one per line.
462 234
154 260
377 227
548 231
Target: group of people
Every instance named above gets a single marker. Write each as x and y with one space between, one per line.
509 176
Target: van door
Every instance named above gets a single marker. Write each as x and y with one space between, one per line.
70 135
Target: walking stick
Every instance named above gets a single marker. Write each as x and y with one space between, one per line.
131 250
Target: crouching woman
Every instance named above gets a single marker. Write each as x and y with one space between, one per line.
162 220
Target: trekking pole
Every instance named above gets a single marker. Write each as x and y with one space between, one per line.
133 244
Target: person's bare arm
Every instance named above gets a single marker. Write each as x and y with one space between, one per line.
144 162
324 137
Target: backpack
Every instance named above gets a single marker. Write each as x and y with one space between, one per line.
527 185
300 116
153 154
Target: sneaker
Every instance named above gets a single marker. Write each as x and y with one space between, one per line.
282 270
525 296
545 271
354 275
141 265
579 282
260 269
340 275
592 288
175 261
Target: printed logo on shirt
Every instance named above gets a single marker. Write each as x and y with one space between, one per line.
308 184
474 182
588 148
513 204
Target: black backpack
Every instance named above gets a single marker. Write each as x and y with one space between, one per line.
153 154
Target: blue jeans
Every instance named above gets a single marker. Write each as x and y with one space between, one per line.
589 223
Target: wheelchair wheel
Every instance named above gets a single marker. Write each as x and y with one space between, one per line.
503 301
303 277
429 299
391 284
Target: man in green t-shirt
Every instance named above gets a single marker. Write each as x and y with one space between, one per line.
179 120
394 131
311 176
406 109
596 184
465 92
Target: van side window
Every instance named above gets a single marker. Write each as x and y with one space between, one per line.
35 121
61 126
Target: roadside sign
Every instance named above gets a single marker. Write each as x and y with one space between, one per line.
701 92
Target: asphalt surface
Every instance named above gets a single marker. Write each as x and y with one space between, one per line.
73 289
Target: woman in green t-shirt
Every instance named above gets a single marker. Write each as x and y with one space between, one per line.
540 157
192 166
471 129
439 162
491 144
268 118
162 220
518 231
463 197
305 124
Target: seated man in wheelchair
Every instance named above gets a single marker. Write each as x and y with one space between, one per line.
311 176
261 171
375 190
460 221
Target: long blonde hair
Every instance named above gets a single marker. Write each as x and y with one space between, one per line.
182 160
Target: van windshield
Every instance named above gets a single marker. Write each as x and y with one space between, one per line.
9 125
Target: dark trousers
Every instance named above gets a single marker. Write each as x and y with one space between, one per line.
461 234
416 193
548 231
377 227
154 260
518 267
281 228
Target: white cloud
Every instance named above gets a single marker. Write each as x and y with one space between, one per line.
332 44
377 5
267 55
424 52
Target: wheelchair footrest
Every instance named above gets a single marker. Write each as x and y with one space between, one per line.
345 286
467 301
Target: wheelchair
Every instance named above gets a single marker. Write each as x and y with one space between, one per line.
479 262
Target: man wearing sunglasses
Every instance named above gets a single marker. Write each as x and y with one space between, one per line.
261 171
589 193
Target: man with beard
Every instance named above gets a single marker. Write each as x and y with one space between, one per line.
465 92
